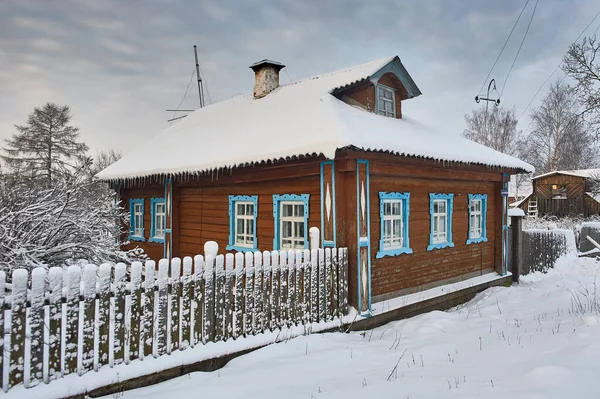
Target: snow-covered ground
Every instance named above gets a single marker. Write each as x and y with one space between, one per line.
540 339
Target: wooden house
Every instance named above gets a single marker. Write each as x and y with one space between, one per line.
416 208
562 193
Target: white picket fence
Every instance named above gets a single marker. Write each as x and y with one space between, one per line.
76 320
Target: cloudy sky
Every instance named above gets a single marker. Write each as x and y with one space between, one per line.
120 64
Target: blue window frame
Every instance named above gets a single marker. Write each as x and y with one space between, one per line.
440 210
394 210
158 218
243 210
477 218
290 212
136 219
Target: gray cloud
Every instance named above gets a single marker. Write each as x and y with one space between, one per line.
119 65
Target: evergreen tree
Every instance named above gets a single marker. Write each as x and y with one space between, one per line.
47 147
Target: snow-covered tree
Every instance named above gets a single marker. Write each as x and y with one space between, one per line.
560 138
58 225
46 147
496 128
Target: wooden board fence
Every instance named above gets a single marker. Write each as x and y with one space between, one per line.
93 316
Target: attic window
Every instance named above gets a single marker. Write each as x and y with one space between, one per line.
386 101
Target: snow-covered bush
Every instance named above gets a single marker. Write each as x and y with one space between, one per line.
56 226
573 223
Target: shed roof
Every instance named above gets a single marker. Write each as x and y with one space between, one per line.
300 118
585 173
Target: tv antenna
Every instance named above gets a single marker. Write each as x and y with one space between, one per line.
200 92
488 99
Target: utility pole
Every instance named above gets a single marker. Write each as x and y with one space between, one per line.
200 95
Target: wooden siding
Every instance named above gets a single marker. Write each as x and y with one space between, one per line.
364 94
575 186
153 250
204 212
422 267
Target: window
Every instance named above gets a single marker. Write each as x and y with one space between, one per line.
440 209
386 101
477 218
159 220
559 192
290 212
243 210
136 219
393 213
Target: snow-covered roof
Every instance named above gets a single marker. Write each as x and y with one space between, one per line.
519 202
299 118
578 173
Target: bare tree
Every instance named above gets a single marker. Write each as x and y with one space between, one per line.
47 147
496 128
582 63
559 139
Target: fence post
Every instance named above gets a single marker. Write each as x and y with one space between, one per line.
148 312
89 317
104 277
517 246
72 328
119 315
55 283
186 303
17 331
36 326
135 305
198 300
175 303
161 324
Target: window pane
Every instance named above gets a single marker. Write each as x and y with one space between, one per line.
442 224
250 209
286 229
250 227
299 229
299 210
397 228
286 210
239 226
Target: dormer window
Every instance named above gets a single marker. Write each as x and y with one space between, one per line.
386 101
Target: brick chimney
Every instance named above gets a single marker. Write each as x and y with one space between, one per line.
266 77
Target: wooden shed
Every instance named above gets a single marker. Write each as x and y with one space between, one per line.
563 193
416 208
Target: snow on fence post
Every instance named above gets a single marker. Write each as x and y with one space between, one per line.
104 277
291 287
36 326
314 285
275 278
198 299
186 303
175 303
249 302
328 280
283 289
238 303
306 287
343 262
148 309
17 332
161 324
299 267
229 296
209 299
89 318
135 305
2 300
321 285
335 284
55 283
119 315
258 290
72 328
267 290
219 297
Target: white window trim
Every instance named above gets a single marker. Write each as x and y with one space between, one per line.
388 241
138 228
385 100
248 237
294 220
437 236
476 228
160 233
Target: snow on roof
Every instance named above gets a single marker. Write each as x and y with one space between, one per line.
578 173
519 202
295 119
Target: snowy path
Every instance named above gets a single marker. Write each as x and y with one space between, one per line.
519 342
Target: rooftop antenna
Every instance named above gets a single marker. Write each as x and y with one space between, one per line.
488 99
200 94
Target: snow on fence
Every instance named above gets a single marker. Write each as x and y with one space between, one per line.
542 248
66 321
592 230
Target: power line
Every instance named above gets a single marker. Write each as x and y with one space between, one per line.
205 83
558 66
504 46
185 94
520 46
